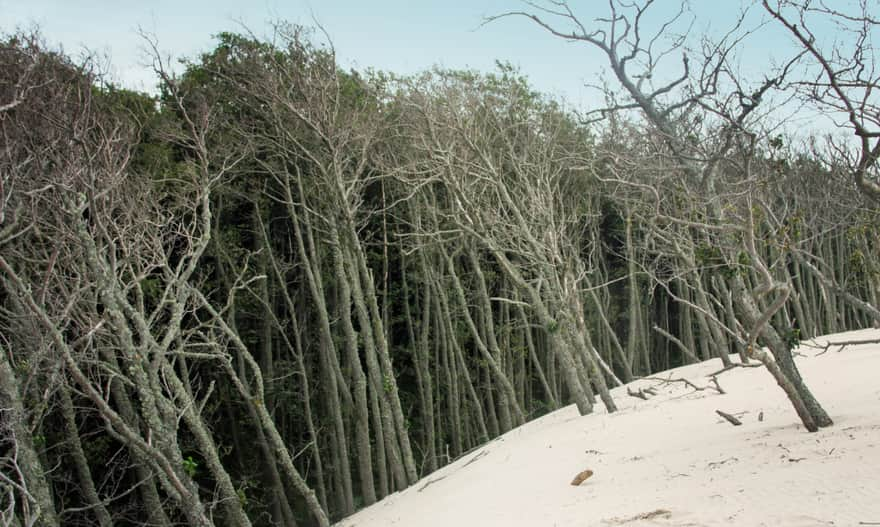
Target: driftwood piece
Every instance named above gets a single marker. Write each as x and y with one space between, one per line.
581 477
718 386
478 456
730 419
655 514
686 382
735 365
715 464
430 482
844 343
639 394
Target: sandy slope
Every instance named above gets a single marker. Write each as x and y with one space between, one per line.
672 461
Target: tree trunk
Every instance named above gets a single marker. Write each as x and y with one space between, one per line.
358 385
811 412
28 462
78 456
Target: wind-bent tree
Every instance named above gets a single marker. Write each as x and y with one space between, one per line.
507 163
703 121
842 80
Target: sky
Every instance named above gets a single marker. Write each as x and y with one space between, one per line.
395 35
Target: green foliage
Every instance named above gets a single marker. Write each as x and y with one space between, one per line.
857 261
152 155
793 227
190 466
792 338
242 496
706 255
22 366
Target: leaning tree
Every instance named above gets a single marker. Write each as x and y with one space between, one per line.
705 129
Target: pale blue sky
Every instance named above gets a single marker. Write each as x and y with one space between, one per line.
396 35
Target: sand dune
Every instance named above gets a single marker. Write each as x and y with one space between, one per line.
671 460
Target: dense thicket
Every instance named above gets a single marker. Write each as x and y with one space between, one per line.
281 291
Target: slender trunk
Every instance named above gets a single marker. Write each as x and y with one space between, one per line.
452 400
381 446
421 358
358 384
263 417
327 348
811 412
713 335
208 449
152 501
498 374
296 350
369 294
616 347
472 394
444 318
633 349
539 370
571 369
511 414
27 458
380 383
81 464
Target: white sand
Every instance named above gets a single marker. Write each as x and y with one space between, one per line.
672 461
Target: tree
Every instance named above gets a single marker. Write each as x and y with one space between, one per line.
679 111
504 161
842 80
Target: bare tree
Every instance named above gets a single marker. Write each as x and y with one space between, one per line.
505 167
843 77
704 119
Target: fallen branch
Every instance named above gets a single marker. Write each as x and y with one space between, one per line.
715 464
687 383
478 456
733 366
659 513
478 447
845 343
812 344
730 419
641 394
429 482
